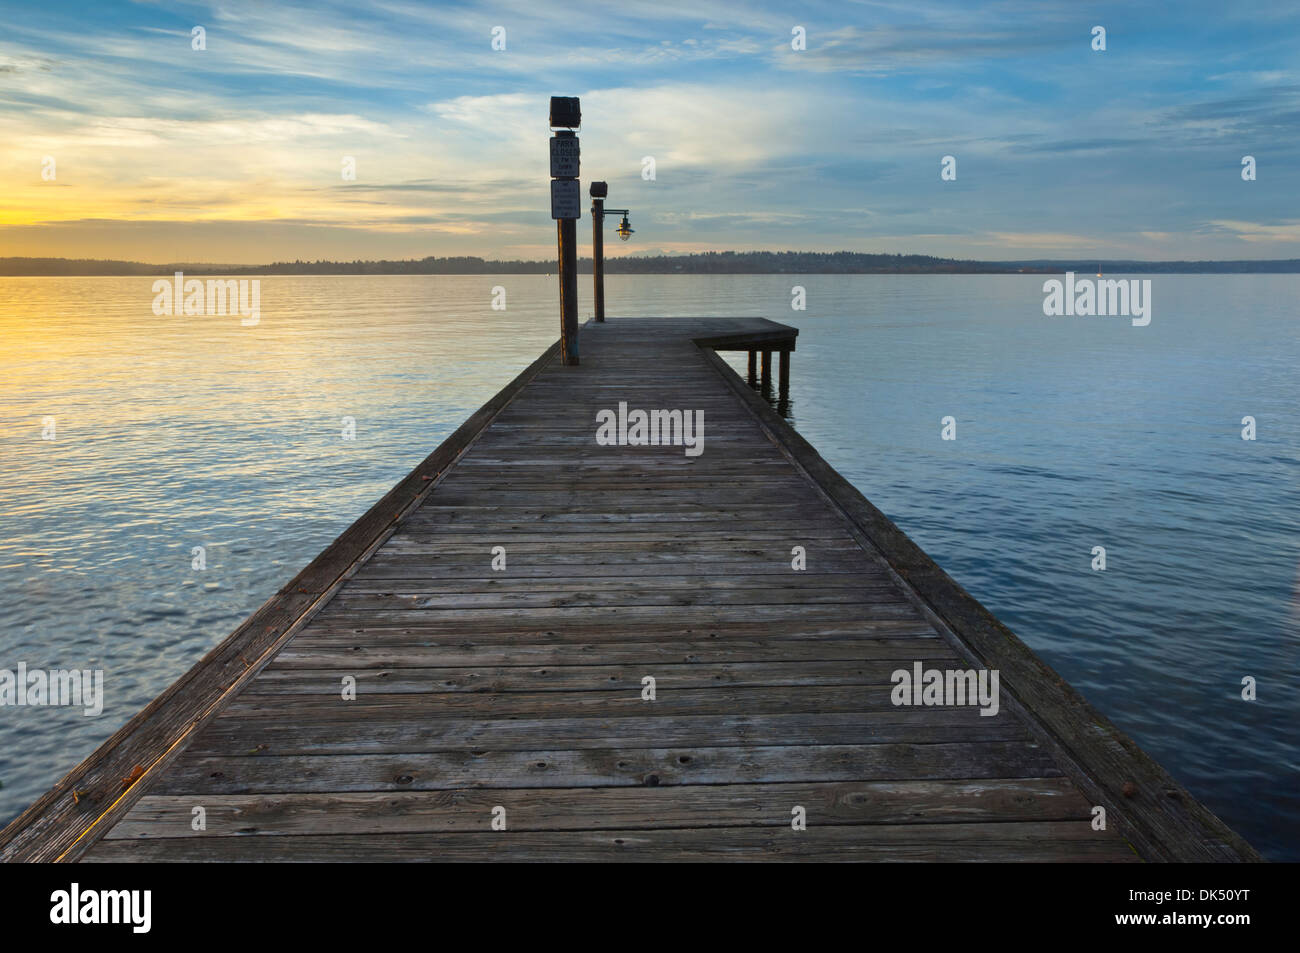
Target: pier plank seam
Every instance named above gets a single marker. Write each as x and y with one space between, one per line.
483 718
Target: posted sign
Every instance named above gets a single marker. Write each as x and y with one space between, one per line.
566 198
564 156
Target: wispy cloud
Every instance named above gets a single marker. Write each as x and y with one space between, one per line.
238 148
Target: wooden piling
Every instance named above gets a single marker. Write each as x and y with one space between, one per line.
566 230
598 256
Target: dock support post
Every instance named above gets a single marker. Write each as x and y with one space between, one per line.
568 252
783 388
767 371
566 115
598 247
753 368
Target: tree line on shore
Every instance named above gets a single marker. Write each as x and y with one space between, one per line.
714 263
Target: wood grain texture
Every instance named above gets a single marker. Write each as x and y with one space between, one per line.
557 809
196 774
1018 841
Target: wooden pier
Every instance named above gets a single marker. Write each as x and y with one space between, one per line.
515 696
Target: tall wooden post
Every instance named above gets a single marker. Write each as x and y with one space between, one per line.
783 386
598 193
567 236
767 372
753 368
566 202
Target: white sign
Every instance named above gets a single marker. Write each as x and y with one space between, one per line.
566 198
564 156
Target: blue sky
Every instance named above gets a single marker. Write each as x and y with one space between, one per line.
233 153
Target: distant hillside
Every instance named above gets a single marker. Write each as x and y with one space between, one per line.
1247 267
714 263
36 267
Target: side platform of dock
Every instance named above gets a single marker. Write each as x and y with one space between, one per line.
541 645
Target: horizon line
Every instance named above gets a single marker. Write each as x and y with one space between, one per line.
300 262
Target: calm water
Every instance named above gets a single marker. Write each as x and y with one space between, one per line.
1072 433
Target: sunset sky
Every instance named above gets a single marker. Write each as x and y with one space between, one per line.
234 153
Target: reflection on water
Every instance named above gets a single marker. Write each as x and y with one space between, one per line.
260 444
779 401
777 398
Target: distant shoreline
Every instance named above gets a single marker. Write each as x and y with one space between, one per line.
709 263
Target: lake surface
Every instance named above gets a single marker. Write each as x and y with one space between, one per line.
1075 432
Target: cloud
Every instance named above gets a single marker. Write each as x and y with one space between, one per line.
887 49
755 144
1254 232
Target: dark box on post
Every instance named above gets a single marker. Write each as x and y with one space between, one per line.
566 112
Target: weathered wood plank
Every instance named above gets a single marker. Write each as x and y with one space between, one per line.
454 568
506 582
370 708
330 654
610 678
785 594
611 548
378 734
488 534
194 773
620 615
522 513
464 632
576 809
1033 841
